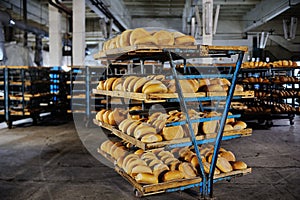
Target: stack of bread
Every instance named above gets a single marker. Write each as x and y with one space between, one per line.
159 84
285 93
261 64
285 79
157 166
283 63
112 117
256 80
258 109
226 160
141 36
261 94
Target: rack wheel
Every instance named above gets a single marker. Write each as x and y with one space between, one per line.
9 124
269 123
137 193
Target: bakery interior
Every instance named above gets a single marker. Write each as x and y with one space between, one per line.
149 99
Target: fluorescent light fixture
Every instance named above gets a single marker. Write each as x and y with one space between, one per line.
12 22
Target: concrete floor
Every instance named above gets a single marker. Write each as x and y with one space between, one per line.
49 161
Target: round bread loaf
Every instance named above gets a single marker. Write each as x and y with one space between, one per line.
131 128
101 85
239 88
223 165
160 168
127 81
172 175
228 127
144 178
125 38
128 158
172 132
118 37
239 165
209 127
188 170
239 125
151 138
142 130
99 115
164 38
138 33
140 169
105 116
148 40
228 155
156 88
132 83
130 165
185 40
139 84
115 83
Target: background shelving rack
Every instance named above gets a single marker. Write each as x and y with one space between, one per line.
81 80
170 54
270 99
26 93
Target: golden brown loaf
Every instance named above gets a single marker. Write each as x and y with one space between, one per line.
164 38
173 132
137 34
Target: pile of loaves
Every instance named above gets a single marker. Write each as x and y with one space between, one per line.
157 166
159 84
141 36
285 79
285 93
261 64
153 129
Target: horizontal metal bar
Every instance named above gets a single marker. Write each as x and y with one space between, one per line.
202 120
202 76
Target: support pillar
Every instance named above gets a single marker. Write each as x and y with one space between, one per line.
55 37
78 39
207 16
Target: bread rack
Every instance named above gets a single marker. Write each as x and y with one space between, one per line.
170 54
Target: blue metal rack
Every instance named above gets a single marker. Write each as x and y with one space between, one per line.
172 54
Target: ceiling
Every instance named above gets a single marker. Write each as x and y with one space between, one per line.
237 15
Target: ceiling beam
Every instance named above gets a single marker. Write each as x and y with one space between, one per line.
264 12
285 43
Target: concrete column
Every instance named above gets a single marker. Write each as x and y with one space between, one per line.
78 39
55 37
207 16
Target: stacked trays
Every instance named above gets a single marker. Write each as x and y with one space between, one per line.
165 138
26 92
276 91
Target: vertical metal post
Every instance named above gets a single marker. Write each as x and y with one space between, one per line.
25 42
6 95
87 93
191 130
222 124
23 89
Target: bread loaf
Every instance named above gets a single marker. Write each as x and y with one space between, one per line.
155 88
188 170
228 155
144 178
209 127
239 125
164 38
239 165
115 83
150 138
223 165
125 38
172 175
138 33
173 132
139 84
140 169
185 40
158 169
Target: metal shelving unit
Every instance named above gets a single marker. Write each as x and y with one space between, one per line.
26 93
79 96
171 55
268 94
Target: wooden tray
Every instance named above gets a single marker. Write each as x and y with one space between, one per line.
160 97
144 146
146 190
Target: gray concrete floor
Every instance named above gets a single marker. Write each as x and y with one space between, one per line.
49 161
